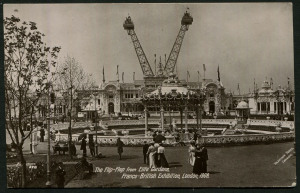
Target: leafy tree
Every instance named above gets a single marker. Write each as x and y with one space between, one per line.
28 65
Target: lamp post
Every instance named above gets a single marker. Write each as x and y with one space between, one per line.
48 183
96 116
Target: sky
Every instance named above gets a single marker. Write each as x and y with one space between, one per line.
247 40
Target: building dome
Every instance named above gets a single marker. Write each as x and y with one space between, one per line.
242 105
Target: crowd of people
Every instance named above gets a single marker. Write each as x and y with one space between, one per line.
154 154
198 158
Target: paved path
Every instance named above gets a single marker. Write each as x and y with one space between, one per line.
239 166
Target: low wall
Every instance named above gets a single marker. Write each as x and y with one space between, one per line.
112 140
248 139
208 140
204 121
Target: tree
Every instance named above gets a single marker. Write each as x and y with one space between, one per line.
70 77
27 67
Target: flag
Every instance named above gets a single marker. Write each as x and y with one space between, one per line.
133 76
204 67
218 74
123 77
103 74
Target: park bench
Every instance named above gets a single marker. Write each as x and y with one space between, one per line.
60 149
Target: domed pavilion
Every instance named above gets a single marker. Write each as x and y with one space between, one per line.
172 95
242 112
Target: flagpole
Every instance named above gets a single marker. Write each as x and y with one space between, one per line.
187 76
204 69
155 64
118 73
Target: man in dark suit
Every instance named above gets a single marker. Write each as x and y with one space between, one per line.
145 150
159 138
83 146
60 176
42 133
204 158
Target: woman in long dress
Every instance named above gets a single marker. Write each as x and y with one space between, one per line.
161 157
151 151
197 169
192 150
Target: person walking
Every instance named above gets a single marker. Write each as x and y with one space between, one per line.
73 148
161 157
145 150
192 150
204 158
198 162
60 175
92 147
120 145
201 156
150 153
159 138
42 134
83 146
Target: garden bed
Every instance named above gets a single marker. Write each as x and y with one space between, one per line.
37 170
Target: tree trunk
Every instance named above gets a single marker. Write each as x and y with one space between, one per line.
23 167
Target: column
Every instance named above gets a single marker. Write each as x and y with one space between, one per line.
146 120
259 108
162 117
186 117
170 118
181 124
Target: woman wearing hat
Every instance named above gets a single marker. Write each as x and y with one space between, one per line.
151 152
161 157
201 157
192 150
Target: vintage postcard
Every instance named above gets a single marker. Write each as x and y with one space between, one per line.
149 95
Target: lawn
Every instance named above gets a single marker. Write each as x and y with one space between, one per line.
235 166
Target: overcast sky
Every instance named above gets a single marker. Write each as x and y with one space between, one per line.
247 41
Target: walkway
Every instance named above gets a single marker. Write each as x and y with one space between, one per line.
239 166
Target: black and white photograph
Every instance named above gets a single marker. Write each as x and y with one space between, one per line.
144 95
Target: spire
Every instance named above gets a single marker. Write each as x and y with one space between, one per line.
160 68
118 73
271 83
133 76
103 75
123 77
187 75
